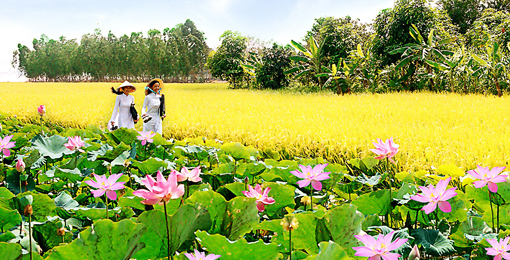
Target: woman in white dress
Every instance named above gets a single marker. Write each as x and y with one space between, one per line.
121 116
151 107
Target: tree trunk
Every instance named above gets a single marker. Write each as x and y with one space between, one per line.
498 88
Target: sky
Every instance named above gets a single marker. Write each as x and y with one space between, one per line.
268 20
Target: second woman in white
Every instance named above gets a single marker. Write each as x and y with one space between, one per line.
121 116
151 107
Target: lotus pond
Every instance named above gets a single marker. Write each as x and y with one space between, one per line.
68 193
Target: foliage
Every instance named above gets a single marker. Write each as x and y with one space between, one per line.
216 217
462 12
227 60
177 54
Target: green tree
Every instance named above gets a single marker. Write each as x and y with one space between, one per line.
270 72
226 62
340 36
462 12
392 27
311 60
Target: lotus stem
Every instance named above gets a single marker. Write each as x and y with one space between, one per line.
497 223
290 243
167 231
311 197
492 213
30 234
106 206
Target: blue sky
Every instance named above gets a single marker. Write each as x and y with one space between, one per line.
278 20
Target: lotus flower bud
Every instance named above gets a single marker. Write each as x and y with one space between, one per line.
20 165
28 210
41 110
415 254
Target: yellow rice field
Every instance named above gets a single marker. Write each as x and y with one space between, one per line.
431 129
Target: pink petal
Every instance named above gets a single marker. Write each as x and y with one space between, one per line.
444 206
317 185
111 194
303 183
7 152
117 186
258 189
397 244
367 240
159 177
178 192
93 184
480 184
450 193
421 198
266 192
297 174
363 251
97 193
429 208
390 256
475 174
268 201
493 187
113 178
144 142
322 176
260 206
442 184
247 194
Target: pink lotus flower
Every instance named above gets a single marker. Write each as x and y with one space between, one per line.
386 149
382 247
146 137
487 177
108 185
75 143
262 198
20 165
41 110
436 196
5 145
193 175
160 190
498 249
201 256
309 175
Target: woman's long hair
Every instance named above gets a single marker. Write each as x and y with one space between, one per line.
117 92
150 85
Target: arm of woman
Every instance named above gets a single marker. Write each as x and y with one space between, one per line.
115 113
144 107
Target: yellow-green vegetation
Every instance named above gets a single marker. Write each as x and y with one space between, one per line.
431 129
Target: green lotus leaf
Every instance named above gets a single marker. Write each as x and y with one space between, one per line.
235 250
105 239
52 147
343 223
8 219
375 202
12 251
149 166
433 242
215 203
42 205
125 135
182 226
239 218
236 150
330 250
46 234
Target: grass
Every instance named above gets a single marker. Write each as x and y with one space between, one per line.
431 129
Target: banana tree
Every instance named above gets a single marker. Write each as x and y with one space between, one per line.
416 54
253 64
493 67
310 62
455 67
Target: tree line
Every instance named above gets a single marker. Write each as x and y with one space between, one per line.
174 55
453 45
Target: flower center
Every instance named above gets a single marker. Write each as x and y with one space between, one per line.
259 196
